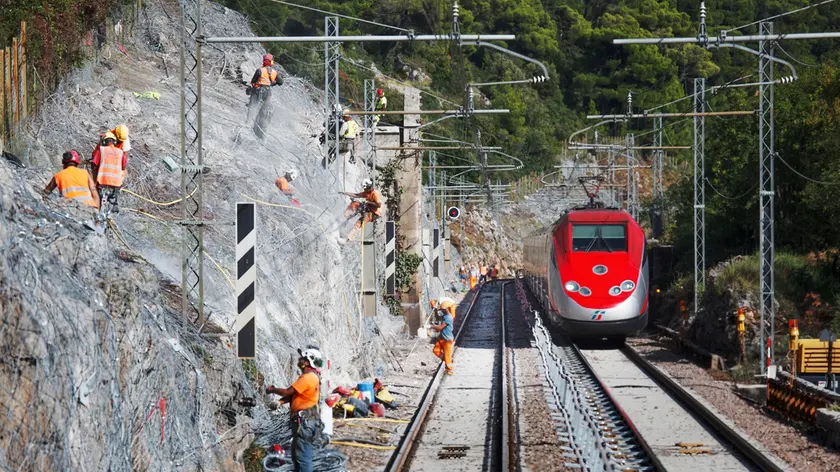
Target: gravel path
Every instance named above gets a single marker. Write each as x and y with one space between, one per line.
790 444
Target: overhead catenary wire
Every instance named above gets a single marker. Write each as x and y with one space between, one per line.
737 197
820 182
780 15
347 17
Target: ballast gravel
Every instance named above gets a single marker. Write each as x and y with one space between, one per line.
799 449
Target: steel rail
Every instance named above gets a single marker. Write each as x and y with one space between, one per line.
401 454
504 441
651 455
740 443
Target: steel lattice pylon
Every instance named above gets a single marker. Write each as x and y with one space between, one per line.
658 191
332 105
370 130
632 187
766 134
192 188
699 193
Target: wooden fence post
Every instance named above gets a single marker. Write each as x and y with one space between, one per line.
15 86
24 85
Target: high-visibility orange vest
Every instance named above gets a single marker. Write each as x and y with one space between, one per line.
267 77
374 196
110 167
72 182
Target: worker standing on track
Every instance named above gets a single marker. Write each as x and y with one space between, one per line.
347 136
371 209
381 105
259 106
443 347
304 396
473 277
109 170
74 183
283 182
483 273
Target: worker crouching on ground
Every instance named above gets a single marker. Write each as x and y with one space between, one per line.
347 136
109 169
443 347
259 106
74 183
304 397
370 209
283 182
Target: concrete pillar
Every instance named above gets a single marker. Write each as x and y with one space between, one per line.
410 182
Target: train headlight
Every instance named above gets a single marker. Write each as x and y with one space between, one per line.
585 291
572 286
599 269
627 285
615 291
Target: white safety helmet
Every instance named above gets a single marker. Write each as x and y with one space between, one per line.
292 174
367 184
313 355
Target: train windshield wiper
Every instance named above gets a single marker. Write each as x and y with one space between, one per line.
596 238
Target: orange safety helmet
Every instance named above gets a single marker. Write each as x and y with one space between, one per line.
380 92
109 135
268 60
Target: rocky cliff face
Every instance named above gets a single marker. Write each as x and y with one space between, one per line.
94 342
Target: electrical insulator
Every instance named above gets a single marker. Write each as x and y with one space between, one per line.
453 213
702 11
455 10
539 79
786 80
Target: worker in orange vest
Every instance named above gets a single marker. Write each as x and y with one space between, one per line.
304 396
282 183
260 91
370 210
473 277
123 143
443 347
74 183
109 168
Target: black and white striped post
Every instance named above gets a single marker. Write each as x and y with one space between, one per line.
246 281
390 258
436 252
447 248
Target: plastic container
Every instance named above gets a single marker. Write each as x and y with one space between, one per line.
366 389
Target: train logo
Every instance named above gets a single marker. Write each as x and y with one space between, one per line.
598 314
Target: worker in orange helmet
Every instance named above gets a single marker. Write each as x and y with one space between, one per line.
443 347
74 183
260 91
444 304
282 183
304 397
109 170
122 141
371 209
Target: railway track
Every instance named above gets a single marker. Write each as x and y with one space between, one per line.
463 421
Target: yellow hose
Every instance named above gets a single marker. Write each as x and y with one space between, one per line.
222 270
367 446
158 203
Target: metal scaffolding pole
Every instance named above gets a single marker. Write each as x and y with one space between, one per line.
370 130
766 133
192 182
699 194
332 105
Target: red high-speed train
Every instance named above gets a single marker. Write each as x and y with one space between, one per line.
590 271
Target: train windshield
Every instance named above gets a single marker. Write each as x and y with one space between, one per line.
595 237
